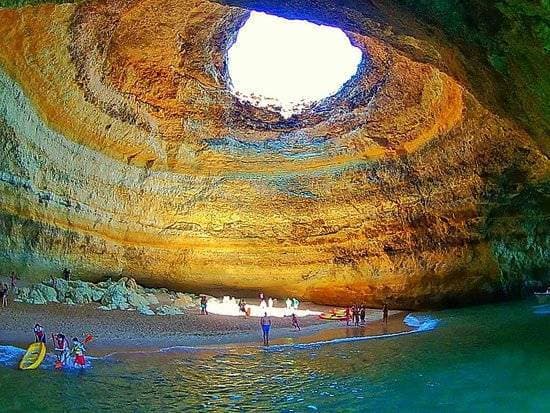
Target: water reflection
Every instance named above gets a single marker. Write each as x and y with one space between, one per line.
487 357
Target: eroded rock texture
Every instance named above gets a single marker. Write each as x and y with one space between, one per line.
123 153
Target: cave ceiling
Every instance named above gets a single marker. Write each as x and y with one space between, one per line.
125 153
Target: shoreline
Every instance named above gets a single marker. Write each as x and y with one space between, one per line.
130 331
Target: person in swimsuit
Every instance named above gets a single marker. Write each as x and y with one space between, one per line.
78 352
385 313
348 315
265 322
39 334
204 302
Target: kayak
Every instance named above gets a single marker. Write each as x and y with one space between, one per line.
33 357
334 315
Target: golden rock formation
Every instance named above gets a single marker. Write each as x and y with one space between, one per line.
124 153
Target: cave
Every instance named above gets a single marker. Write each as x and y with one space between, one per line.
419 177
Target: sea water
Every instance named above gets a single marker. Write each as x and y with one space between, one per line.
492 358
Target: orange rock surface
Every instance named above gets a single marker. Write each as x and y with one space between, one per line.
124 153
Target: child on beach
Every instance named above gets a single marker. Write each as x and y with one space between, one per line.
295 322
78 352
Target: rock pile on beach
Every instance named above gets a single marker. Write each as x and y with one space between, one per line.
124 294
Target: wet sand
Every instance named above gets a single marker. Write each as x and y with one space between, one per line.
115 330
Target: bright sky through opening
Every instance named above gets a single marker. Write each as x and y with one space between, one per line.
289 63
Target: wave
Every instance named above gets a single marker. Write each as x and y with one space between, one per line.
10 356
419 323
543 309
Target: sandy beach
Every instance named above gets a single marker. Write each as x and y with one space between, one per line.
130 330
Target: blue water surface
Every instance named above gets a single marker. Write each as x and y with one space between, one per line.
493 358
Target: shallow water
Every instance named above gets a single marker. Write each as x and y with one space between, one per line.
494 357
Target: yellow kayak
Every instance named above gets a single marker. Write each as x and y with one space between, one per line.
33 357
334 315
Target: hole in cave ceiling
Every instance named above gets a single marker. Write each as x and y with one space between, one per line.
289 64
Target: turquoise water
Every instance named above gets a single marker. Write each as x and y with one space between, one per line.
480 359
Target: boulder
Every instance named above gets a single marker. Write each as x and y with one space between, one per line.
80 295
145 310
152 299
105 284
137 300
168 310
48 293
61 286
116 296
23 294
131 284
36 297
97 294
183 301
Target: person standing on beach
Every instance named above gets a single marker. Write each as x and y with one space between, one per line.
348 315
385 313
66 274
61 349
13 281
363 313
295 322
204 311
39 334
356 315
265 323
288 303
78 352
4 294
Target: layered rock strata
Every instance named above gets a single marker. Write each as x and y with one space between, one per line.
124 153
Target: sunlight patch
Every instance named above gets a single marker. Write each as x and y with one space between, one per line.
289 63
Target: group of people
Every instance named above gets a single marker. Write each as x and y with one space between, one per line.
356 314
5 288
291 303
63 350
265 323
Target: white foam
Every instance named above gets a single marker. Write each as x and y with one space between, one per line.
420 323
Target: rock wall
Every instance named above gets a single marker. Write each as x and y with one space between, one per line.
124 154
